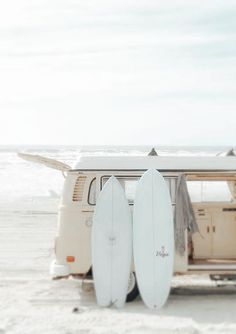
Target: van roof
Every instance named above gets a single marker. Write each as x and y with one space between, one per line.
162 163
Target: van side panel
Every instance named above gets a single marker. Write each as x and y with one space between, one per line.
74 239
74 226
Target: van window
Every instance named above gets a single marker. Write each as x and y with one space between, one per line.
209 191
129 184
92 192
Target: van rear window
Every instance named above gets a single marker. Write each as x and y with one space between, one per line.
129 184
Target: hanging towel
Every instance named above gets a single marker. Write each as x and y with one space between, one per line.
184 218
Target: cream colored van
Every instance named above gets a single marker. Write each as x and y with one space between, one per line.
212 187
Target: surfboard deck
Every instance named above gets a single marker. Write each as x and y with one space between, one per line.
153 239
111 245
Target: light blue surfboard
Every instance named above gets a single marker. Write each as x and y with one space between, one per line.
111 245
153 239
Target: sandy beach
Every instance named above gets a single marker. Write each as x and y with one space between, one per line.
31 302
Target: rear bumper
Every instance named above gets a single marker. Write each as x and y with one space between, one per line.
59 270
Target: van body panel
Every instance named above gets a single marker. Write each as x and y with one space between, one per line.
76 210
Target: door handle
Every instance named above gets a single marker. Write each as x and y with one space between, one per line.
214 229
208 229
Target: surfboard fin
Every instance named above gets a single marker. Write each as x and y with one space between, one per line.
48 162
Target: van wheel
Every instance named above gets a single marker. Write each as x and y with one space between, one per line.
133 290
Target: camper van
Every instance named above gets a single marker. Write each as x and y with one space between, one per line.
211 184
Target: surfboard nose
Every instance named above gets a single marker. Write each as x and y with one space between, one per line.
112 183
152 172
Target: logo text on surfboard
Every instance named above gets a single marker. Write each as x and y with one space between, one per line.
163 253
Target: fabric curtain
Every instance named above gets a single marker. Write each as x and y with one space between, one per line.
184 218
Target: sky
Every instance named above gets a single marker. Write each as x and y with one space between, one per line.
118 72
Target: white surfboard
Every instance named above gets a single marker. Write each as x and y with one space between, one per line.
153 239
111 245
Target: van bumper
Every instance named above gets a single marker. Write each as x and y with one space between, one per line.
59 270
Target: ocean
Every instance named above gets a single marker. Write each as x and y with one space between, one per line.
25 180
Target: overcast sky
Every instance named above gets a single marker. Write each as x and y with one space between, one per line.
118 72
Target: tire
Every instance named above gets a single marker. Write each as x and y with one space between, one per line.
133 290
